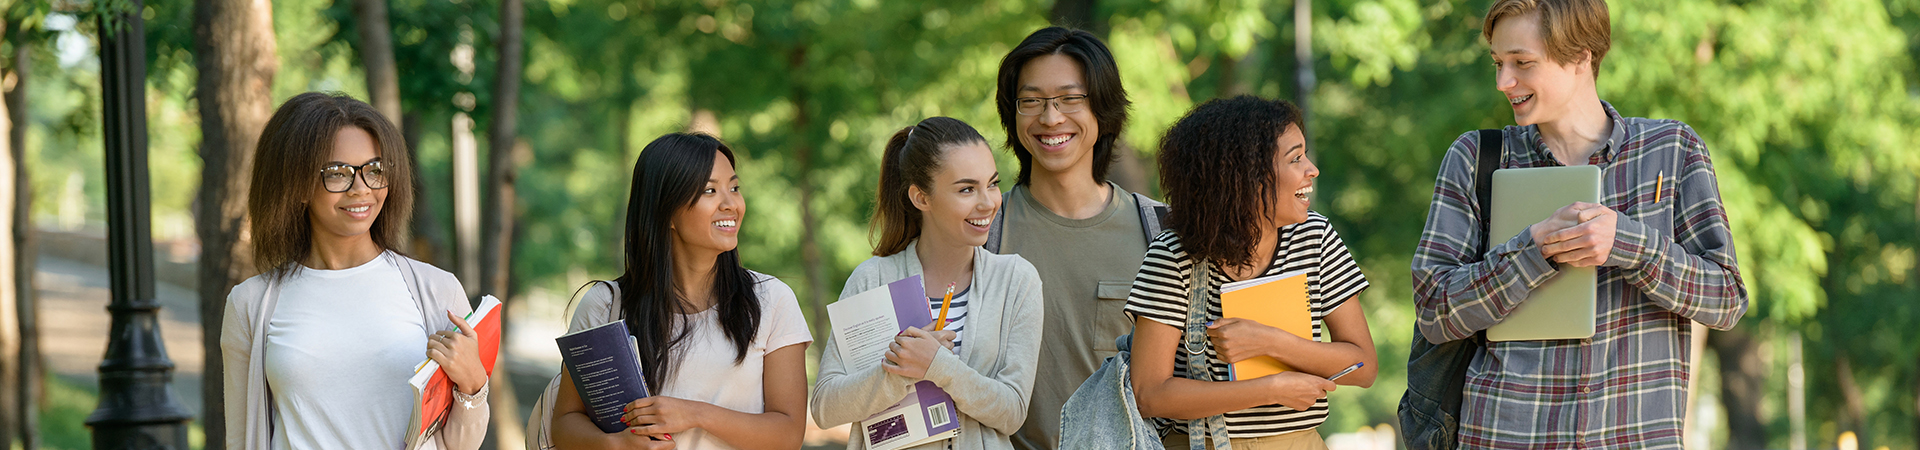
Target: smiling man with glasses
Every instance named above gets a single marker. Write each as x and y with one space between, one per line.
1063 109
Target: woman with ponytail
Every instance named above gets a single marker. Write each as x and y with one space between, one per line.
938 194
724 347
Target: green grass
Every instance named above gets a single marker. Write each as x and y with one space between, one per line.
63 417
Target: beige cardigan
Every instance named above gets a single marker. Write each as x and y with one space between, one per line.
249 402
991 379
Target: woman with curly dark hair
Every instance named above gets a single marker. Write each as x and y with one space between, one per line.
1237 176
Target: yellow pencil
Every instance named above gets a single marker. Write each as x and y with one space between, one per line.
1659 185
944 303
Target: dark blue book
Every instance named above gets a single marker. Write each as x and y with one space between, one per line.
604 363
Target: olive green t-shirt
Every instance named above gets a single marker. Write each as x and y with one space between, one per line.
1086 268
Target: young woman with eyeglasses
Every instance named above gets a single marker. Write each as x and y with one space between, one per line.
319 347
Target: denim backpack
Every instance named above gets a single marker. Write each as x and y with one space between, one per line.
1102 413
1437 373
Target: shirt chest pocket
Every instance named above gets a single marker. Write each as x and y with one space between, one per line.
1652 204
1109 320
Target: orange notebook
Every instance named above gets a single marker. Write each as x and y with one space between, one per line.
433 390
1278 301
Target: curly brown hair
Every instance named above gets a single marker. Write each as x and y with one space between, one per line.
1216 169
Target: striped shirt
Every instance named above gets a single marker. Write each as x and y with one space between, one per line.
1160 293
956 313
1672 263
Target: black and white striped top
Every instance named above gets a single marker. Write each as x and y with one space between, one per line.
956 313
1161 288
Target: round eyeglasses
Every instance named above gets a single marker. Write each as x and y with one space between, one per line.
339 177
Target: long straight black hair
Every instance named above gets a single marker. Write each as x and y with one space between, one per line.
668 178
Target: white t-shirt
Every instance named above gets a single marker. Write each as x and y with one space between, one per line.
340 347
707 372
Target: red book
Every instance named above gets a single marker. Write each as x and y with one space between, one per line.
433 391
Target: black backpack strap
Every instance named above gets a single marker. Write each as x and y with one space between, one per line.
1153 215
1492 143
998 228
1492 150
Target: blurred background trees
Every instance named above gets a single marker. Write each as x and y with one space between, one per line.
1811 110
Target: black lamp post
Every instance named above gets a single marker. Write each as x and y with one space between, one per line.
138 409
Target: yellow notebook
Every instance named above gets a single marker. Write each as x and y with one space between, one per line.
1278 301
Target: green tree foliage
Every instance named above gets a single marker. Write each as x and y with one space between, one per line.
1810 109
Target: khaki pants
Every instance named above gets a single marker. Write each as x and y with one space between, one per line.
1308 439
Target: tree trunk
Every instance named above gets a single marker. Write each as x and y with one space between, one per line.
1854 408
1129 169
429 241
1743 380
811 261
496 232
233 49
24 249
9 302
383 91
1229 79
376 55
1304 79
1796 393
466 204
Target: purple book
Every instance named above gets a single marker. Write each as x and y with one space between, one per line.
864 324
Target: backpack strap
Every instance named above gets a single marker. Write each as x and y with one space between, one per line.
614 290
1194 342
1492 142
1153 219
998 228
1492 151
1153 215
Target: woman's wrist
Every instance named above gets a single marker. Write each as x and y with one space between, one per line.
470 387
702 414
1278 343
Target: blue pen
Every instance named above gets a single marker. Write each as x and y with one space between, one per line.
1231 376
1350 369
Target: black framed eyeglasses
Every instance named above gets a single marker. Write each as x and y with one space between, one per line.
1065 104
339 177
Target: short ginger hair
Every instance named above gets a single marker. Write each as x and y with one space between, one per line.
1567 26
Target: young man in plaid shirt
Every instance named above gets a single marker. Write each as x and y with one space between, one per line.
1659 237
